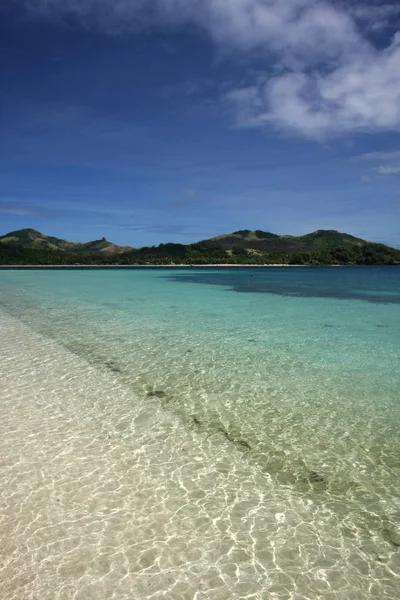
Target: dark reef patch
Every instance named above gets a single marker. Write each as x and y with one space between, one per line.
315 477
392 536
350 283
113 367
318 481
156 394
242 444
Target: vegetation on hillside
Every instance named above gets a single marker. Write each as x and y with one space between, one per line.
242 247
30 238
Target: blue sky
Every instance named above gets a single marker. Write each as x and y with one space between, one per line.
148 121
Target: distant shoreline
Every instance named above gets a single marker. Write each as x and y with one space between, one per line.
149 266
180 266
30 249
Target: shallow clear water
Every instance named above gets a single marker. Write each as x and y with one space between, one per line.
200 433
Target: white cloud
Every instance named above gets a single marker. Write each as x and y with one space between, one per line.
376 161
332 80
388 170
379 156
374 15
366 178
300 26
363 94
20 212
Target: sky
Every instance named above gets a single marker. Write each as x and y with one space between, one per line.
149 121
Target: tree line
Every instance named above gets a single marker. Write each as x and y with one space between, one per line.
167 254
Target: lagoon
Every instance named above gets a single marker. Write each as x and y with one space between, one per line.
200 433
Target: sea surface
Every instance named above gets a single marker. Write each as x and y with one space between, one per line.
200 433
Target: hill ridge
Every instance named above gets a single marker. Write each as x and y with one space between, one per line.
245 246
32 238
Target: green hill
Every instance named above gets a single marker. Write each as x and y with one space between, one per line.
322 247
270 242
30 238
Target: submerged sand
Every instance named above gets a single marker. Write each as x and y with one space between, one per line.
106 495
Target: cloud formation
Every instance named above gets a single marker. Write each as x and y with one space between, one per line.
383 163
388 169
360 95
173 229
375 15
325 75
379 156
8 208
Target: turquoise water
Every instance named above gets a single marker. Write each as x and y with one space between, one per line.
264 402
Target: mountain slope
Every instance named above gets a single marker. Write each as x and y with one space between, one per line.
30 238
322 247
269 242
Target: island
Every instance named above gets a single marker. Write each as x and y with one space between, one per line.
28 247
